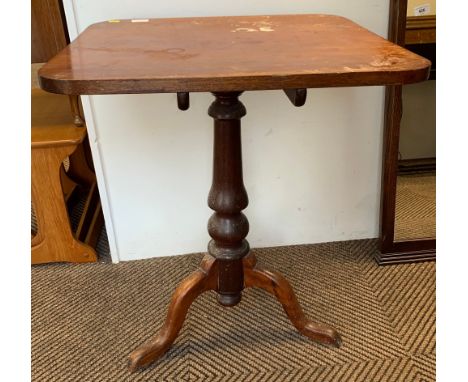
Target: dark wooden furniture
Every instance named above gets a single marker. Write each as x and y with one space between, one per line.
420 30
391 251
420 38
226 56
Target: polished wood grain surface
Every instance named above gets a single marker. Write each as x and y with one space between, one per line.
55 137
52 121
55 240
48 30
228 54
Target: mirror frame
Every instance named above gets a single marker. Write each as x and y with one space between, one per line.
391 251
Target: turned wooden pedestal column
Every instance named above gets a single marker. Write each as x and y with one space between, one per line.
229 267
228 226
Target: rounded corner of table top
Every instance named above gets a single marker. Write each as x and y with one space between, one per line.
101 24
53 84
425 71
418 74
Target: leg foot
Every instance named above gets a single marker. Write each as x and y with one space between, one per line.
275 284
198 282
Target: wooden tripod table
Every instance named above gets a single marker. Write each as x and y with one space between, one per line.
226 56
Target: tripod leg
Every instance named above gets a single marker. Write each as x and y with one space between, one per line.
200 281
275 284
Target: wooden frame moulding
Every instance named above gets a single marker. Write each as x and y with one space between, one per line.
390 251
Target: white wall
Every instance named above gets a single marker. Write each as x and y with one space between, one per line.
312 173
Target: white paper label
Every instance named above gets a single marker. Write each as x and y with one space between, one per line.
422 10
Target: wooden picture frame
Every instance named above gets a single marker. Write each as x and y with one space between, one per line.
391 251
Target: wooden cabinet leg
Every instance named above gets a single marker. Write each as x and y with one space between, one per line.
54 240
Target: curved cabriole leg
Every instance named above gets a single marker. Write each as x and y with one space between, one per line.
200 281
275 284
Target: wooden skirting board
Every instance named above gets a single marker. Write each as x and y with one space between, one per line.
412 166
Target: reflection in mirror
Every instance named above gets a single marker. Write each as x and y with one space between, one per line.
415 209
407 221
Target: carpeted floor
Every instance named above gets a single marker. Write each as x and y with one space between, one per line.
415 208
87 318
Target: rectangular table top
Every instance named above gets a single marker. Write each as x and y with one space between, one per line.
228 54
